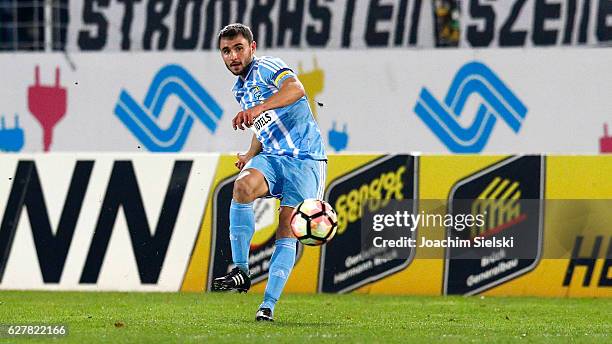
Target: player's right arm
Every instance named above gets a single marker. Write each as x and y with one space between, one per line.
254 149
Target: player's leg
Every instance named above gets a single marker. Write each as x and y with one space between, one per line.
249 186
281 264
302 179
252 183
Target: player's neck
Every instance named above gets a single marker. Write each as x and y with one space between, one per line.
247 70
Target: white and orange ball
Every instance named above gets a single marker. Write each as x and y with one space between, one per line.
314 222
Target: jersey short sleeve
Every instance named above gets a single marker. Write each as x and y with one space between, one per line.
274 71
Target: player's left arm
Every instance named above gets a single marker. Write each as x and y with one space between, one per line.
290 91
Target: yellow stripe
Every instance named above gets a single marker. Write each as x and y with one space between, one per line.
280 76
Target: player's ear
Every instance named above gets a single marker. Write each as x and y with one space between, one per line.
253 46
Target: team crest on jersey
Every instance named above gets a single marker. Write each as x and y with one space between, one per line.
257 93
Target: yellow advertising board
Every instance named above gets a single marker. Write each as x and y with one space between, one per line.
570 227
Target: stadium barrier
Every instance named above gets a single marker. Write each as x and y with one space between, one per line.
140 222
340 24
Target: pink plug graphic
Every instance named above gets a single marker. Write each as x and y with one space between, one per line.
47 104
605 142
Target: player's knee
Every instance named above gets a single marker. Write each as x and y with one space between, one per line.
244 192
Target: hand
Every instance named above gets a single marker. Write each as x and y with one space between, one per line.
242 160
246 117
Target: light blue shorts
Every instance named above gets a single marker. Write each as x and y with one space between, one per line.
290 179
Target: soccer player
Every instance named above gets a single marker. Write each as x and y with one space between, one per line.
286 159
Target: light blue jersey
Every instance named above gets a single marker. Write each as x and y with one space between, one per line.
287 131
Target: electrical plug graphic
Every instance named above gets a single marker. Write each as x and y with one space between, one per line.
11 139
605 142
338 139
47 104
313 82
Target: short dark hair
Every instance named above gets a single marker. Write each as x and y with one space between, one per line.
233 30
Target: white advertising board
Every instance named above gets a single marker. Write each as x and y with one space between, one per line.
460 101
100 222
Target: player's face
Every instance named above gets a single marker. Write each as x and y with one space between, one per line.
237 53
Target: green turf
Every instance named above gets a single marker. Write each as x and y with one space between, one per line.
189 317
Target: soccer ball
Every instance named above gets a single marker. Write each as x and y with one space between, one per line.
314 222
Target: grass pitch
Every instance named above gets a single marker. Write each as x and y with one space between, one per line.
195 318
